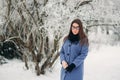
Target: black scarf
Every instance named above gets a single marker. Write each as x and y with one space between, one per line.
73 38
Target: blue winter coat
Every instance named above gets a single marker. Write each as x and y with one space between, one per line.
73 53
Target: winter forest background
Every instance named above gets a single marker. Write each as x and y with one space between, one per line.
32 30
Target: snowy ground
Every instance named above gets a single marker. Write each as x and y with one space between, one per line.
100 64
103 64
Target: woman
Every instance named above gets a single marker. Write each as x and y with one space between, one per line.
74 52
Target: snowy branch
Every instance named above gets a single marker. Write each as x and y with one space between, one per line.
84 2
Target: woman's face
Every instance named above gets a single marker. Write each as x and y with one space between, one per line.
75 28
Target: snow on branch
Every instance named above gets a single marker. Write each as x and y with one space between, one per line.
83 2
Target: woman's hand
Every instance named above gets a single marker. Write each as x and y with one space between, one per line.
64 64
70 67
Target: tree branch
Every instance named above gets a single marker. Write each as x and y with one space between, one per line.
85 2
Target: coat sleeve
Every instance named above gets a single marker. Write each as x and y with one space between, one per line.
80 59
62 56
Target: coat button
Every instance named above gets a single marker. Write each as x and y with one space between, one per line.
69 44
65 71
68 54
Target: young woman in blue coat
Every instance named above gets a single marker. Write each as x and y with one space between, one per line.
73 52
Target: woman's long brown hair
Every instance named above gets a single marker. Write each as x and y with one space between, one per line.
83 37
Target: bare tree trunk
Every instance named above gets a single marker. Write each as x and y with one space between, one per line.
37 12
9 5
54 59
25 60
46 63
2 38
46 46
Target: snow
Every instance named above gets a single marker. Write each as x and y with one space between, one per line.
101 64
15 70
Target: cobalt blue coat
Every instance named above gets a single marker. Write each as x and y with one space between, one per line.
73 53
